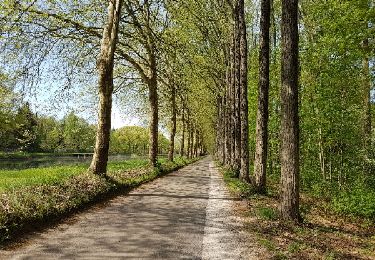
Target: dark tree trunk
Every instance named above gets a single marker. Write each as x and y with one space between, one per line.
289 207
192 141
219 129
196 143
261 145
189 137
228 121
105 65
244 124
173 119
154 111
237 93
223 129
232 95
182 152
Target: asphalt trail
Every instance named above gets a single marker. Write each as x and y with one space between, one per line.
188 214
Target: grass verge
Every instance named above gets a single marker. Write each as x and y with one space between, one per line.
53 193
323 235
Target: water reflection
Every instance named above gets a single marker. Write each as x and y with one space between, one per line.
46 161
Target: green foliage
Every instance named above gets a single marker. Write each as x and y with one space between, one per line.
331 107
22 130
77 134
134 140
240 188
26 129
359 200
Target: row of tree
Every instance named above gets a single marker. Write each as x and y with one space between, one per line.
190 59
232 123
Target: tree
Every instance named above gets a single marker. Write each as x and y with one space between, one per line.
50 132
105 66
134 140
173 123
77 134
26 129
8 107
182 147
244 168
261 144
289 205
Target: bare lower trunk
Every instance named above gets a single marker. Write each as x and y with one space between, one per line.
100 157
183 133
261 145
191 142
237 93
223 129
289 207
218 129
105 65
233 103
154 119
228 121
173 130
188 137
244 167
196 143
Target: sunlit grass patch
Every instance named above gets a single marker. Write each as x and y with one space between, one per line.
12 179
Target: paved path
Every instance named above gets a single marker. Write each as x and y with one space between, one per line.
187 214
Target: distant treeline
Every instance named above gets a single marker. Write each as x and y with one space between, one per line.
23 130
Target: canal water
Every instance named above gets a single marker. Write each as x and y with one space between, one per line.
46 161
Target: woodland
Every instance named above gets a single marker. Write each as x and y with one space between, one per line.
272 89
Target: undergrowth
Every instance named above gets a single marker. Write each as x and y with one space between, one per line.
337 228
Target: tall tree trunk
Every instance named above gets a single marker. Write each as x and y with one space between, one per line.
237 92
174 117
289 207
192 130
196 143
154 111
223 129
228 110
232 95
183 132
261 145
105 66
218 129
244 170
188 137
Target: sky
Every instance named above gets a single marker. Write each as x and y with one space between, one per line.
119 121
49 101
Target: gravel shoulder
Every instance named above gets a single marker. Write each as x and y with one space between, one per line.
188 214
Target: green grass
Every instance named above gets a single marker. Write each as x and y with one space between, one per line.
12 179
237 186
267 213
